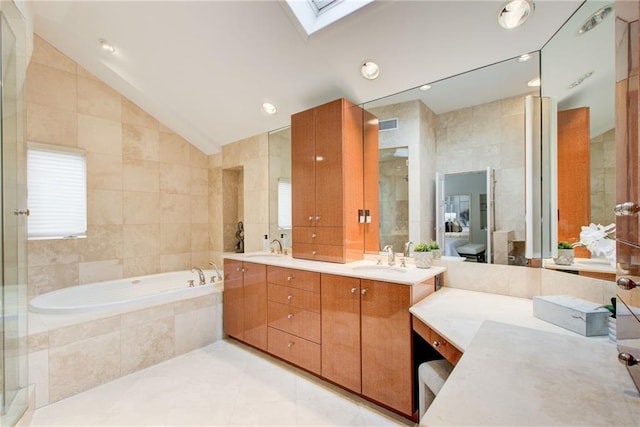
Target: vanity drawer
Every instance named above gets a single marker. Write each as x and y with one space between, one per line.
296 350
300 279
311 251
296 321
445 348
319 235
294 297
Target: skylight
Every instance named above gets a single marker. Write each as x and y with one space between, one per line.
314 15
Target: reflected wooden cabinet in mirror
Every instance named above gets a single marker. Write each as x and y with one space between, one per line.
331 210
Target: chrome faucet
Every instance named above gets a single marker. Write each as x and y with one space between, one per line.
391 257
407 249
279 245
218 275
200 274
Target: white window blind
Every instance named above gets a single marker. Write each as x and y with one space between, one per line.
284 203
57 192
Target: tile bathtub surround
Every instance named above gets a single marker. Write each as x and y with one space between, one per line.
68 356
224 384
147 187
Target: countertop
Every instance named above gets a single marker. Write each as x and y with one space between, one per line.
593 265
364 269
517 369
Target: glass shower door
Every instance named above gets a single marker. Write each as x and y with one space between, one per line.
13 303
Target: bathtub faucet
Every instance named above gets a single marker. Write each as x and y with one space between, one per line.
218 275
200 274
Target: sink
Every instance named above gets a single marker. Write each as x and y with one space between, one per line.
265 255
379 269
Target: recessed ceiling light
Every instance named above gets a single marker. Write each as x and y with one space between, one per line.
524 58
107 46
269 108
514 13
580 79
425 87
370 70
534 82
595 19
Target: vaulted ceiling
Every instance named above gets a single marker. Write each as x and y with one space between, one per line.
204 68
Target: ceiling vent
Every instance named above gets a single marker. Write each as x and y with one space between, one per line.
388 124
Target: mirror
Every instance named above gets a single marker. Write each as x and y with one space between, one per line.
280 186
393 195
578 74
474 120
459 125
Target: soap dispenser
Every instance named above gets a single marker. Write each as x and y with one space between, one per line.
265 244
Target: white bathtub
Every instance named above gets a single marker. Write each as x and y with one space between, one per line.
123 293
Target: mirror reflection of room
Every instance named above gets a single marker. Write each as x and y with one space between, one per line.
394 196
466 216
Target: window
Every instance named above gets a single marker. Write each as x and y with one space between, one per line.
284 203
57 192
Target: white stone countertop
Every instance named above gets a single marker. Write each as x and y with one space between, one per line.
364 269
457 314
594 265
517 369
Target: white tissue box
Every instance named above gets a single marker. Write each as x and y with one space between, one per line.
575 314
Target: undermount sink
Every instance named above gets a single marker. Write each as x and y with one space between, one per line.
379 269
265 255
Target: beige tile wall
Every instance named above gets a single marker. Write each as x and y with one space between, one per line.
603 177
148 188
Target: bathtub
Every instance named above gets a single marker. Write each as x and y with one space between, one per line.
83 336
124 293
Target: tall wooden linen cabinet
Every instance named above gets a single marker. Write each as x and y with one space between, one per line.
335 209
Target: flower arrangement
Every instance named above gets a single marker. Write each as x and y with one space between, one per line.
598 239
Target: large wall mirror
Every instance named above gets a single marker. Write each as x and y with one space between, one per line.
578 75
475 121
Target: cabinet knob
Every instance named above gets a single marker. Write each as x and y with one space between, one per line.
626 209
628 359
290 316
310 218
436 344
238 269
626 283
289 297
364 291
290 344
314 252
317 218
289 278
314 235
354 290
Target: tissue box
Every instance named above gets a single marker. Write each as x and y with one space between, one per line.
575 314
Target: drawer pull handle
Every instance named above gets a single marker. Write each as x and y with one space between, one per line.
290 344
626 283
314 235
354 290
289 278
238 269
314 252
437 344
289 297
317 218
310 218
626 209
364 291
290 316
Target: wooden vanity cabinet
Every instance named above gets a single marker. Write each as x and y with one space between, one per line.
294 316
327 175
438 342
367 338
245 302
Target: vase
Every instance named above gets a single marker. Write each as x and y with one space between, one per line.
612 330
437 253
565 257
422 259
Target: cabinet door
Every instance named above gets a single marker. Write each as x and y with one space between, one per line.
328 165
386 345
255 305
303 195
233 300
340 307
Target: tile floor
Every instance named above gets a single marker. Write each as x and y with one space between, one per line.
222 384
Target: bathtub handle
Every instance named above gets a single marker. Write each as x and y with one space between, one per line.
190 282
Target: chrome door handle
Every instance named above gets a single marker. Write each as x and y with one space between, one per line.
19 212
354 290
628 359
626 283
626 209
